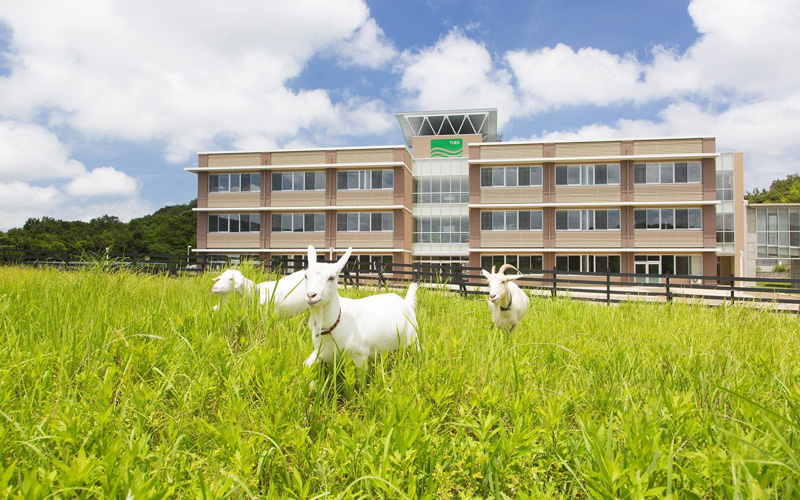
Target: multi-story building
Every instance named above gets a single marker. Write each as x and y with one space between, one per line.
643 205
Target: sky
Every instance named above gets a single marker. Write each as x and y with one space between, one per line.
103 103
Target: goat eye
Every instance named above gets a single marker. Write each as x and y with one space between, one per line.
331 278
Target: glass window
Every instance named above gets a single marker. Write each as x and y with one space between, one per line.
235 183
525 176
601 219
681 173
573 175
681 218
486 221
601 174
694 171
536 176
511 221
653 173
223 223
486 177
613 219
653 221
640 219
613 174
666 173
498 177
562 222
574 217
498 221
667 218
639 173
213 183
511 176
388 179
213 223
695 218
536 220
224 183
561 175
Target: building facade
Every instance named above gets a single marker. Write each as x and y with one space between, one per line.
649 206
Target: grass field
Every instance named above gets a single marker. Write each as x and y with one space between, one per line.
118 385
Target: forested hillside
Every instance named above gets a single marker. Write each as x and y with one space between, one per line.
168 230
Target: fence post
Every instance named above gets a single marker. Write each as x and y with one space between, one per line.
733 291
668 292
358 275
554 290
608 285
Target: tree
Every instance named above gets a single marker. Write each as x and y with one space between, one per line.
780 191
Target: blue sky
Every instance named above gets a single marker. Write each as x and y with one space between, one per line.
103 103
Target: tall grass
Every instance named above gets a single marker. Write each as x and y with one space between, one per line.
120 385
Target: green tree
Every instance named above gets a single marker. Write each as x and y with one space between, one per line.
780 191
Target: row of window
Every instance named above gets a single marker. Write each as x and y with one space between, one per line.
587 220
365 179
668 173
525 263
587 175
365 221
234 223
298 181
511 220
441 230
234 183
668 218
566 175
511 176
444 189
298 223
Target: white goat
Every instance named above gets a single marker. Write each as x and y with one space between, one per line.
360 327
287 295
507 301
228 282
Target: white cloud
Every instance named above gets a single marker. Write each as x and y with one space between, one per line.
31 155
102 181
560 76
457 72
180 72
31 152
367 47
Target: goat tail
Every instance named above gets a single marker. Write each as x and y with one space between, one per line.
411 296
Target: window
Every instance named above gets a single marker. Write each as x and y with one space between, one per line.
674 264
525 263
298 181
511 176
588 263
234 183
668 173
587 220
441 230
668 218
512 220
364 222
587 175
365 179
778 232
441 189
298 223
234 223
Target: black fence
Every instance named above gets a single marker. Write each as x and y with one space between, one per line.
774 293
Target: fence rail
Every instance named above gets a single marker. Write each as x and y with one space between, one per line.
777 293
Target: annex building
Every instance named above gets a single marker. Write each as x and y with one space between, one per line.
453 193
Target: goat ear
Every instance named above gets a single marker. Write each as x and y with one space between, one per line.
216 278
343 260
312 255
485 273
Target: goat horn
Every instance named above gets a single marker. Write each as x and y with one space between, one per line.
494 269
507 266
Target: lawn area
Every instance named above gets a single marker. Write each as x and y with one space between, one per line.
121 385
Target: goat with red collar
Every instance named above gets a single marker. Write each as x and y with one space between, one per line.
361 328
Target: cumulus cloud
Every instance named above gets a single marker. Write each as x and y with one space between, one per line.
180 72
367 47
102 181
38 177
457 72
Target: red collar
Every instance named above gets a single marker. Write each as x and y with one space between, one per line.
328 331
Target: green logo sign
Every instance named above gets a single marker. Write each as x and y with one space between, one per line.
441 148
